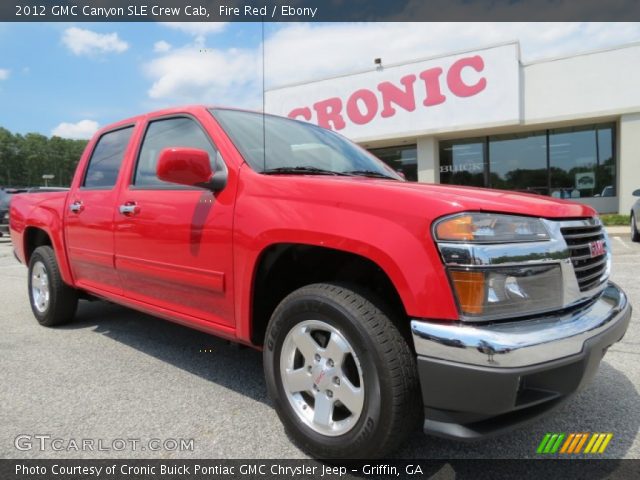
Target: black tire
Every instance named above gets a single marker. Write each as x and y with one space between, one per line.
635 235
392 406
63 299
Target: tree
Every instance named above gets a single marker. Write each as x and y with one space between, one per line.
24 159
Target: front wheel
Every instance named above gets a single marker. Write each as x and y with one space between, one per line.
342 377
53 302
635 235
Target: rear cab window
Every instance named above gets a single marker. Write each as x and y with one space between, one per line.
106 159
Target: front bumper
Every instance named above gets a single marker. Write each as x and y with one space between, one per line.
479 380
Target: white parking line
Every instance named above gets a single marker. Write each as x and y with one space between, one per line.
623 243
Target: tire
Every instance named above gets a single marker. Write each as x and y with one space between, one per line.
52 301
635 235
376 403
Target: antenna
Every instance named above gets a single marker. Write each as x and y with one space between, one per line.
264 129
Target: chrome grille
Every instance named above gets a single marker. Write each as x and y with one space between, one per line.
589 270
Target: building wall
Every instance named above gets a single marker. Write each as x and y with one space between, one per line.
629 157
592 87
584 86
428 163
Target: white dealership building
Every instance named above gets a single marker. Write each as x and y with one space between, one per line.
567 127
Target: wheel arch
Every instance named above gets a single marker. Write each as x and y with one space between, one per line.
282 268
36 236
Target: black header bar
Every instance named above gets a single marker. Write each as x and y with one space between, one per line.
176 469
317 10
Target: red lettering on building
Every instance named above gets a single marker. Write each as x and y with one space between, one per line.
363 105
392 94
329 111
433 95
454 77
366 98
303 113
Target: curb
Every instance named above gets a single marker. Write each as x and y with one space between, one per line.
618 230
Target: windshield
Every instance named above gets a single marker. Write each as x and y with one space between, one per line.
282 145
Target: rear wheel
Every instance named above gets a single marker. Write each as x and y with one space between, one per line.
635 235
52 301
341 375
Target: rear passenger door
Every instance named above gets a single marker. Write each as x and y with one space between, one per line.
90 212
173 243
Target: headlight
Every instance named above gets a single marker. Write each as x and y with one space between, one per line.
474 245
505 292
490 228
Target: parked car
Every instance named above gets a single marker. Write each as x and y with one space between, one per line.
5 198
608 191
46 189
635 214
379 304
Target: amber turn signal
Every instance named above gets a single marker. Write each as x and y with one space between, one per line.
470 292
459 228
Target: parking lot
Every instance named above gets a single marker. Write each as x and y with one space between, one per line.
118 374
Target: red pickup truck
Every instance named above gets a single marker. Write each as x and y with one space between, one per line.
379 304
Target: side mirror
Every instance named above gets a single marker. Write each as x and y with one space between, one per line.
185 166
636 193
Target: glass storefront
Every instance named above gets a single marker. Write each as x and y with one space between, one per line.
575 162
403 159
463 162
519 162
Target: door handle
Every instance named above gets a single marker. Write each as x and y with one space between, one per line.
129 209
76 207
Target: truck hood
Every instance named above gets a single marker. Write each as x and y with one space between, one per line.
426 200
484 199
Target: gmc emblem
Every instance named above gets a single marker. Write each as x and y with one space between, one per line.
596 248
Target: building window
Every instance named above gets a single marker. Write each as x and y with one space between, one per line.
519 162
403 159
575 162
463 162
581 162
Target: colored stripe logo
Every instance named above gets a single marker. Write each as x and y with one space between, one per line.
573 443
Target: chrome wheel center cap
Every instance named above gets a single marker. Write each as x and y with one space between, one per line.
322 374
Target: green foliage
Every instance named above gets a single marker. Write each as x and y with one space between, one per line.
611 219
24 159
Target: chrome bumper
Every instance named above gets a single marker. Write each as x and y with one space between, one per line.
524 342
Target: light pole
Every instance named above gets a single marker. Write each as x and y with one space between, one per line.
46 179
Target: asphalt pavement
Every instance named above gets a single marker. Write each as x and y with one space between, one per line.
116 378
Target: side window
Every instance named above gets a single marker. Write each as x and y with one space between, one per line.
161 134
106 159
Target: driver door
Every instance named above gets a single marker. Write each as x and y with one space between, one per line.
173 243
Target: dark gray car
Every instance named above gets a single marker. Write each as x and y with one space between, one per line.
635 215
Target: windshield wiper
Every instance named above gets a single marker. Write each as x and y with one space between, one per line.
304 170
369 173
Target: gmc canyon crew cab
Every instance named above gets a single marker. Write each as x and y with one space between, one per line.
379 304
